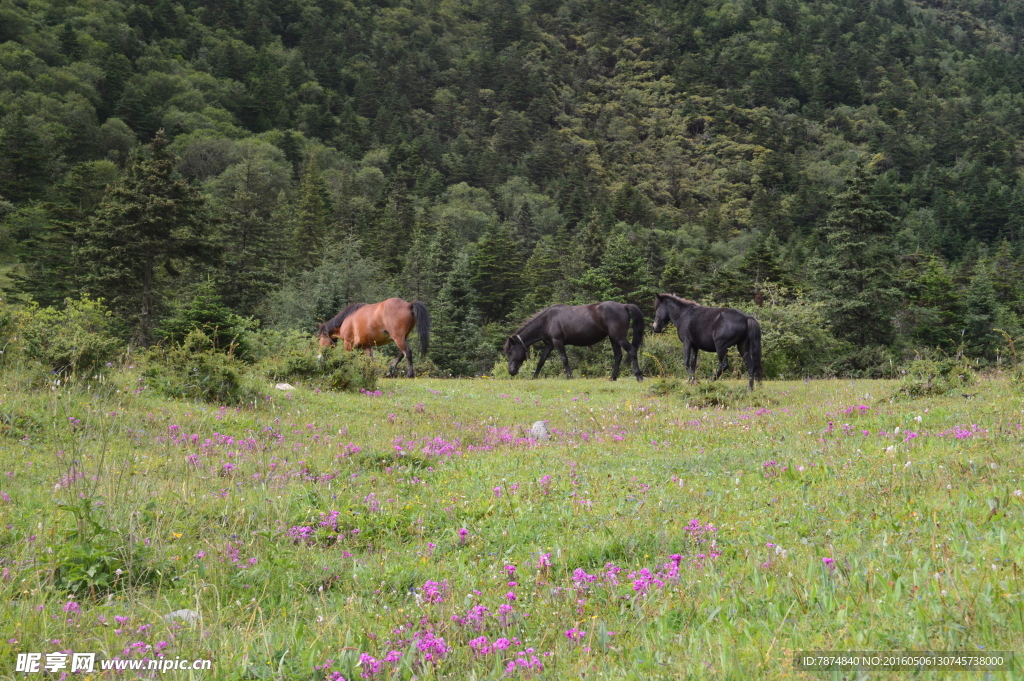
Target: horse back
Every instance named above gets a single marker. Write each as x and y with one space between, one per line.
584 325
378 324
704 326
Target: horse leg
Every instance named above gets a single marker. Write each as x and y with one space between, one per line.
543 358
394 363
690 361
744 348
407 352
631 351
560 346
617 351
723 362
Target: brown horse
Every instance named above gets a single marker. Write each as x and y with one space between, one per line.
362 326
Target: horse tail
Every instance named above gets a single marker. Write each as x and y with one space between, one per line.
638 325
419 310
754 337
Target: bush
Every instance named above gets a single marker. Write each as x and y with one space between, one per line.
291 356
94 560
796 339
76 340
931 377
228 331
18 423
710 394
872 361
197 369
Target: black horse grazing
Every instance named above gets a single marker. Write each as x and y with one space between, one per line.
713 329
561 325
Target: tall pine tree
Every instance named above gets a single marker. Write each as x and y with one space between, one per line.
458 347
312 220
496 273
145 228
52 272
761 264
856 277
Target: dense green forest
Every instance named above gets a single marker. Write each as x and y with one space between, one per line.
850 169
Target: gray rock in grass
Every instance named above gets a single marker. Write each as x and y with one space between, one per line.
539 431
183 615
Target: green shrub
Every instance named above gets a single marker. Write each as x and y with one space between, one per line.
76 340
94 560
872 361
710 394
197 369
291 356
931 377
796 339
228 331
18 423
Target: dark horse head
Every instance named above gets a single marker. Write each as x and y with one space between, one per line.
661 315
515 352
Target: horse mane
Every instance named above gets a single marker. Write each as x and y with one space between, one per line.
329 326
679 299
518 331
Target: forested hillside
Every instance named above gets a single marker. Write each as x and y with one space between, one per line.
854 168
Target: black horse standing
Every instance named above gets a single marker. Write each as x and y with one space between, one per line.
561 325
713 329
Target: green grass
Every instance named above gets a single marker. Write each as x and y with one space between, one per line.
925 532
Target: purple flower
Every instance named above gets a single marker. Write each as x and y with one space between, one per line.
435 592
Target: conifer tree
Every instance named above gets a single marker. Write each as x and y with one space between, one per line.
145 228
312 219
541 275
207 312
692 277
457 347
250 196
673 276
934 308
581 256
625 269
416 278
856 277
440 259
25 160
1006 279
981 312
496 271
52 272
761 264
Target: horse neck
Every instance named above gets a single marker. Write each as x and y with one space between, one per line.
530 332
677 310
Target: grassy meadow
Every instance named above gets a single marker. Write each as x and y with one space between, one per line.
418 531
